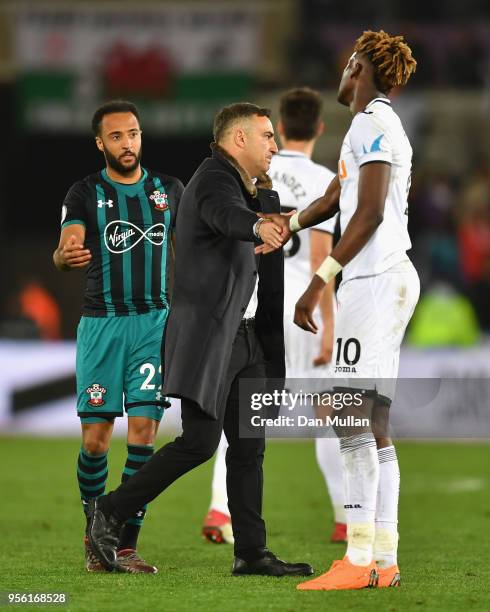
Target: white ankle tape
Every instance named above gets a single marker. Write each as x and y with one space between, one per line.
385 540
361 535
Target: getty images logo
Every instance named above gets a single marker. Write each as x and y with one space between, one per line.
118 235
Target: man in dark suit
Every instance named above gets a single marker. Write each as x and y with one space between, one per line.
225 324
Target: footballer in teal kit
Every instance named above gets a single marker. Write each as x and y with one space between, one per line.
117 223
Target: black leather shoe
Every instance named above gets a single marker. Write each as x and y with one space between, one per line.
270 565
103 535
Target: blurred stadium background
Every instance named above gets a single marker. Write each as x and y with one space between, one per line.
180 62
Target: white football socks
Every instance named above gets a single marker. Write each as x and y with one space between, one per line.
219 494
386 523
330 463
361 475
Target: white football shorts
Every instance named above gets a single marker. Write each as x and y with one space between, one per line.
372 315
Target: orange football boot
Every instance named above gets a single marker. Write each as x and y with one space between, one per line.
389 576
343 575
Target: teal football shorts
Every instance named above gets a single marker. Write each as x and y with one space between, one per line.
119 364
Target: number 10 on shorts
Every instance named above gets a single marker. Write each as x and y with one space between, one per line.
348 354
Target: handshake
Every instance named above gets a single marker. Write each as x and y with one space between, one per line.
274 231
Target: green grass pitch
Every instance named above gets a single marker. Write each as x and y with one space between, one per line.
444 547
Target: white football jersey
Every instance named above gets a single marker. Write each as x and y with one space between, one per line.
376 134
299 181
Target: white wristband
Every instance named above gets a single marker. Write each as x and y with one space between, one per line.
294 225
329 269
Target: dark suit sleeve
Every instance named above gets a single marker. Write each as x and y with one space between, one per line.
269 200
178 189
222 208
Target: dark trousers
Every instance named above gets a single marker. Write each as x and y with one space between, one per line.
198 442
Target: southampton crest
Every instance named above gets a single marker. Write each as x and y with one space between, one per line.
160 200
96 393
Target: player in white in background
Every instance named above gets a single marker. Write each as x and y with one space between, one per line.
376 299
299 181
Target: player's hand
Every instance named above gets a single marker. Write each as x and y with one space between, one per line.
305 306
326 349
73 255
270 234
264 249
324 358
282 220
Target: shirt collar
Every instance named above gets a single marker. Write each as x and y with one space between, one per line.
383 100
141 180
290 153
130 190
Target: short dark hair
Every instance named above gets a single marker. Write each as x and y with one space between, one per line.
229 114
114 106
300 110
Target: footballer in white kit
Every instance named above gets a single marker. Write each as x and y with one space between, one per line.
376 299
380 286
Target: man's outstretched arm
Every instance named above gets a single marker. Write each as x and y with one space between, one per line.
320 248
222 208
319 210
71 253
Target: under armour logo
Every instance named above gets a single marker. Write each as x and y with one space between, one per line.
101 203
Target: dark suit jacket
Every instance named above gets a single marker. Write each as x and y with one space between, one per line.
215 274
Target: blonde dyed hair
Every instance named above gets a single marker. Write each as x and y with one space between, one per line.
390 56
